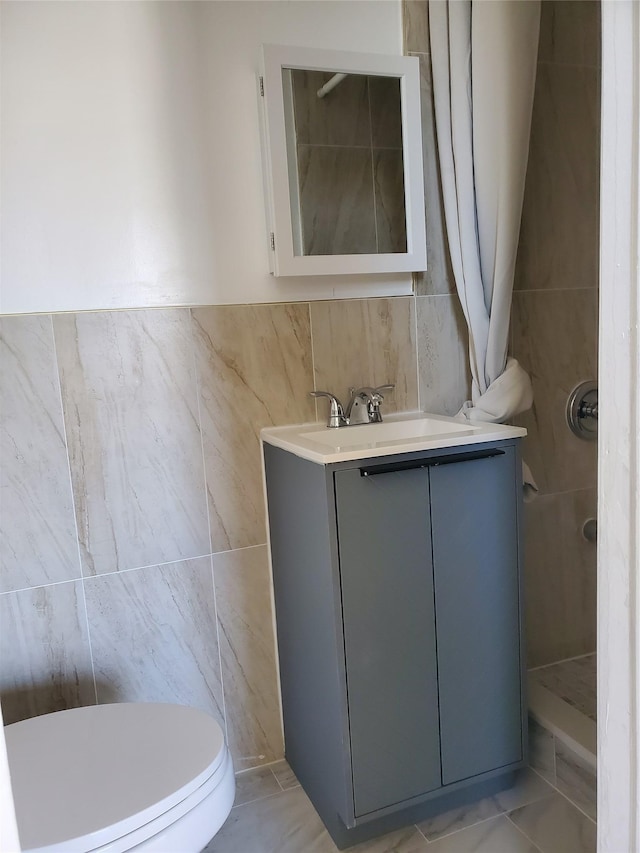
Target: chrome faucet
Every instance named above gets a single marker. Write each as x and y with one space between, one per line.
336 412
370 412
363 407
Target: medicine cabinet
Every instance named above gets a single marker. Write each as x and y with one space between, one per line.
342 157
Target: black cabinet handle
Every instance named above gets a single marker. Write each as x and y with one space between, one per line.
431 462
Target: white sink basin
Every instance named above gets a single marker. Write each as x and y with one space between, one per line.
371 434
406 433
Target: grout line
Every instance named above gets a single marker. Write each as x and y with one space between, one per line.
149 566
422 833
563 660
75 516
196 376
206 503
558 64
568 492
522 832
373 170
40 586
467 826
595 289
502 813
136 568
259 799
564 796
369 147
431 295
280 785
215 611
313 360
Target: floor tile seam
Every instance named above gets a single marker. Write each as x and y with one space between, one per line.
524 834
503 811
565 797
278 782
259 799
463 828
262 766
420 832
562 660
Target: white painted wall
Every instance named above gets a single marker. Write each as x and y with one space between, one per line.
619 435
131 168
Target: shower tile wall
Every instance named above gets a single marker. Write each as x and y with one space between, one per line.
133 558
554 327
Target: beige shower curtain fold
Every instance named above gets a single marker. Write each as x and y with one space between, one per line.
483 55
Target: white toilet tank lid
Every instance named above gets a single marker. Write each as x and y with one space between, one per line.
87 776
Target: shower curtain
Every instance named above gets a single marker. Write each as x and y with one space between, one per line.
484 55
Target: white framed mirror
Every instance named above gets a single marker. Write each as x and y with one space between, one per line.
342 157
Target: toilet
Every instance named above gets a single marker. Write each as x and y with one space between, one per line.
112 778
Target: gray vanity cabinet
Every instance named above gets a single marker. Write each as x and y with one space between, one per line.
475 558
384 547
397 594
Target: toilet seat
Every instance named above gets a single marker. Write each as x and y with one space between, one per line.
107 777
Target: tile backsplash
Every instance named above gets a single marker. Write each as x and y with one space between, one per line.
134 557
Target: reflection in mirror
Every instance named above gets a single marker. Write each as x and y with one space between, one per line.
342 156
345 163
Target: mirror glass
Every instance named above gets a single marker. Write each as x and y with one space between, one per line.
342 157
345 163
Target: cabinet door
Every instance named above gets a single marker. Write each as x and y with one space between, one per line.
475 557
387 598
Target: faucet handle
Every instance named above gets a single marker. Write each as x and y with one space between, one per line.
382 388
375 416
336 412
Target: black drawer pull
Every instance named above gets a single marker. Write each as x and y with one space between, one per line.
432 462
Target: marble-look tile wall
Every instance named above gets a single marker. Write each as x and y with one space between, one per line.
554 327
132 526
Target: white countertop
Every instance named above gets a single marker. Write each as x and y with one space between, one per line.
400 433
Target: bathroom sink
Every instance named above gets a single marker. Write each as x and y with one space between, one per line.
404 433
388 431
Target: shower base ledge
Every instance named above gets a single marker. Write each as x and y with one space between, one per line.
574 729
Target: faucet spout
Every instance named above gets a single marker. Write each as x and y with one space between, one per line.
364 405
336 413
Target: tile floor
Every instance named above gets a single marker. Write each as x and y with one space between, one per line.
574 681
564 768
273 815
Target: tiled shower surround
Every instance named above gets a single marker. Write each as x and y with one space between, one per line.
573 681
555 310
134 557
555 328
